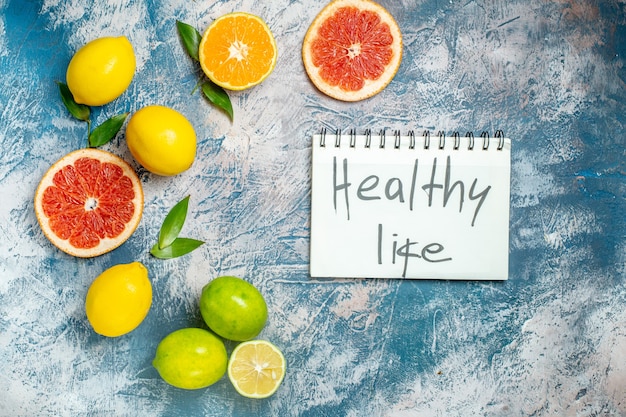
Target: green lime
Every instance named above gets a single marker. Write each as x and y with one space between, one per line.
191 358
233 308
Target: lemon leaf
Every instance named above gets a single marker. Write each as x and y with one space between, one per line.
173 223
190 37
79 111
218 96
179 247
106 131
169 244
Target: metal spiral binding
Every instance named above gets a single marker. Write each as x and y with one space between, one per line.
411 140
500 135
485 136
368 138
323 138
470 140
441 136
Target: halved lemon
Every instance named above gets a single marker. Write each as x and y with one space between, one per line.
256 368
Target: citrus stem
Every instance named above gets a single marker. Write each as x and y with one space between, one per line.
195 87
88 130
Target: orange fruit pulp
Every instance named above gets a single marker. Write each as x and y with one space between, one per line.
238 51
89 202
352 50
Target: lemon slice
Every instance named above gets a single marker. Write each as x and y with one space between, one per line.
256 368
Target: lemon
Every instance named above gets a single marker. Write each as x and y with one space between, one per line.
233 308
161 139
191 358
101 70
256 368
119 299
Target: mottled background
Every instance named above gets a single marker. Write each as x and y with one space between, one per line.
550 341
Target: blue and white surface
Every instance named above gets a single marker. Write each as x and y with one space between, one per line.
550 341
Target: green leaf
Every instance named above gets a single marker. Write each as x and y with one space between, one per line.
79 111
191 38
173 223
179 247
218 96
106 131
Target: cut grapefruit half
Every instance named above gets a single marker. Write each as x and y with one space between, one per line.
89 202
352 50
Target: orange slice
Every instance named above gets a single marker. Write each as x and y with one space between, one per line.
256 368
352 50
238 51
89 202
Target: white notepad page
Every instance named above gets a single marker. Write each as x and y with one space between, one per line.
410 207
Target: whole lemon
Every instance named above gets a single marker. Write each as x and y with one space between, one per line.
101 70
233 308
161 139
119 299
191 358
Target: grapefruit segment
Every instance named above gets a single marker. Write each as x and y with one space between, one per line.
352 50
89 202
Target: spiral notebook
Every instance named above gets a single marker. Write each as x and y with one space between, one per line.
410 205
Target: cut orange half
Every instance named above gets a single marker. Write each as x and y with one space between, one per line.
352 50
256 368
89 202
238 51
